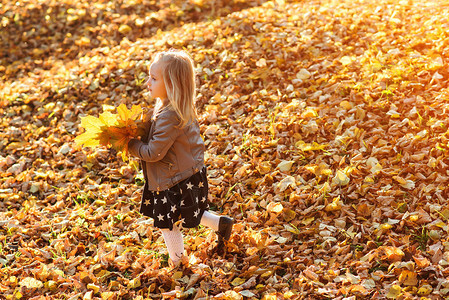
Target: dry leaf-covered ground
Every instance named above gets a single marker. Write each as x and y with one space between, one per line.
327 139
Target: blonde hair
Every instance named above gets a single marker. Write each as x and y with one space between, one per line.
179 79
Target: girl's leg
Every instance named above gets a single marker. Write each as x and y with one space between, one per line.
221 224
175 243
210 220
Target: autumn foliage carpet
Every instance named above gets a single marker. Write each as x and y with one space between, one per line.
327 140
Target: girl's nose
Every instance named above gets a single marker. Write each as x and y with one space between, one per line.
147 83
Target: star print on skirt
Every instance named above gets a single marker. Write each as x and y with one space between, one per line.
186 201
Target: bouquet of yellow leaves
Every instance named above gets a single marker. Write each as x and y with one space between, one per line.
112 130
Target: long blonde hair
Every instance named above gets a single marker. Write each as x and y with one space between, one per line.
179 79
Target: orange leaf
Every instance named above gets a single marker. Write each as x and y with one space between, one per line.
392 254
421 262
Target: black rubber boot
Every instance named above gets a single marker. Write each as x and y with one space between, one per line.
224 228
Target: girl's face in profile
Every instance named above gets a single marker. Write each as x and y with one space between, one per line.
155 82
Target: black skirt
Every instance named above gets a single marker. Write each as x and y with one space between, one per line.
186 201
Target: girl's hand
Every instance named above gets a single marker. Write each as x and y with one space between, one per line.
133 145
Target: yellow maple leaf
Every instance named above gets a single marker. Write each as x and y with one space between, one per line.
92 122
94 127
88 139
127 117
108 119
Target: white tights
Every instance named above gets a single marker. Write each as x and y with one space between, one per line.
174 240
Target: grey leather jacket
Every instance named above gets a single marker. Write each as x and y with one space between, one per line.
168 154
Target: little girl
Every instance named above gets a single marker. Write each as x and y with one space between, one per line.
172 156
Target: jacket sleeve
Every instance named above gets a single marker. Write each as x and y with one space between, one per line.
165 133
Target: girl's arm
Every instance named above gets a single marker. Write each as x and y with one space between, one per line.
164 135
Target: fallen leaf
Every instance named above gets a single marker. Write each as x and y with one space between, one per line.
238 281
124 29
303 74
421 262
335 205
340 178
275 207
285 166
394 292
408 277
288 181
31 283
425 290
